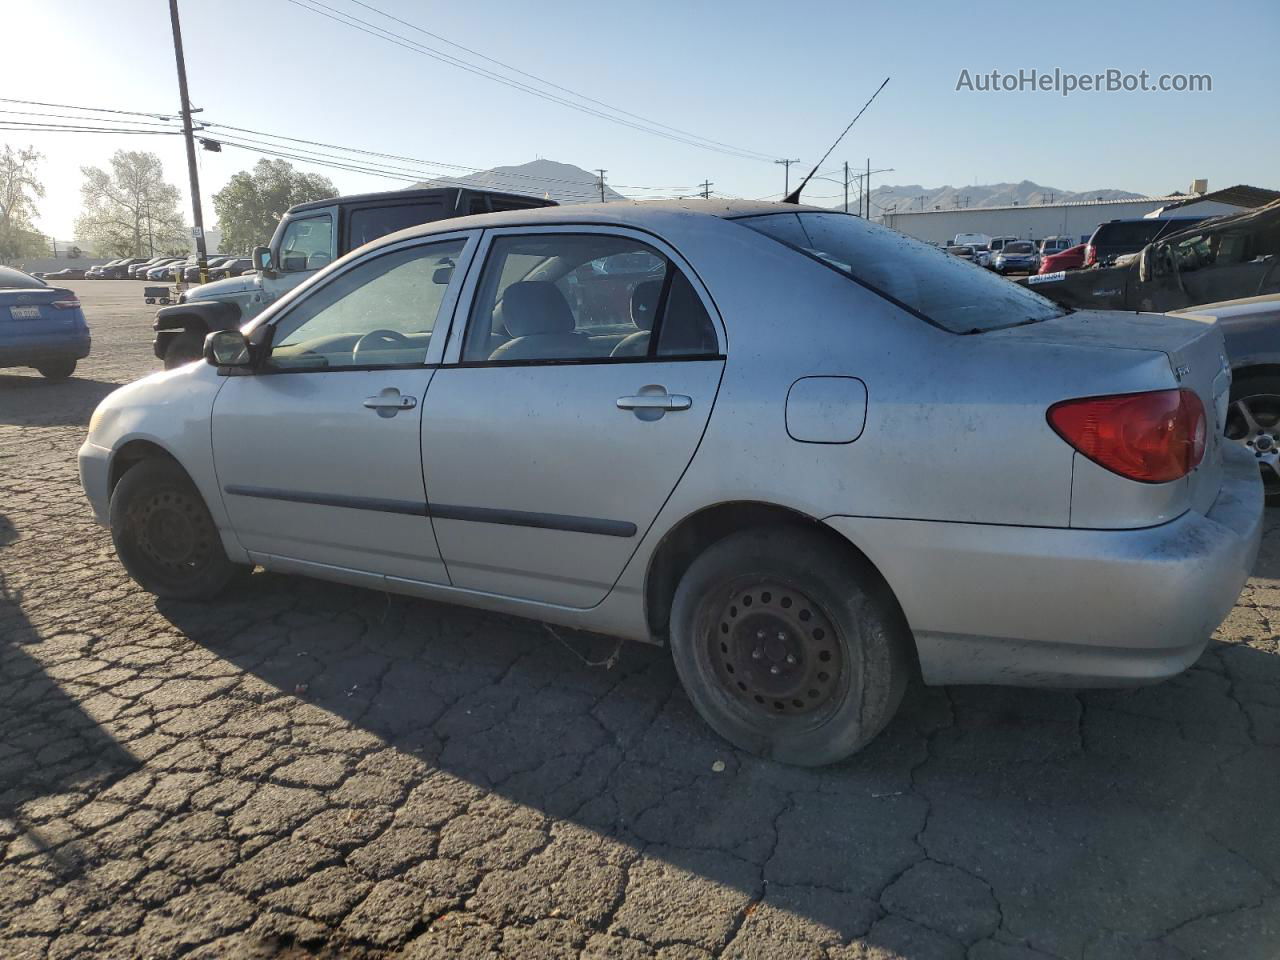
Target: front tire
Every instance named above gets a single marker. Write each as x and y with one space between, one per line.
1253 421
186 347
789 647
57 369
164 535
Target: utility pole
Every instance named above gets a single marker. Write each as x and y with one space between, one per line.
846 186
202 256
786 176
921 199
706 189
866 188
602 172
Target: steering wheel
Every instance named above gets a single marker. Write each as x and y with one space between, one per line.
384 338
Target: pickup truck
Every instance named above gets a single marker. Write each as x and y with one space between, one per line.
310 236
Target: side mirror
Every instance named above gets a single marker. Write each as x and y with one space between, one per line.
262 259
227 348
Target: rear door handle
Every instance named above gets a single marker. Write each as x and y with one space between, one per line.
670 401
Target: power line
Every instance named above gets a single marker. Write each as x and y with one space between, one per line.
68 106
32 127
70 116
555 86
400 40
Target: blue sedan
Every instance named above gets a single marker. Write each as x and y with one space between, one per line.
40 326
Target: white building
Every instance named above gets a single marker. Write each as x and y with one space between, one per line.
1076 220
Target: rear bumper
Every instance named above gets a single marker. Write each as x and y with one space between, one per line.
32 348
1030 606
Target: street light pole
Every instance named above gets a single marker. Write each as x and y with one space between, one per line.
202 256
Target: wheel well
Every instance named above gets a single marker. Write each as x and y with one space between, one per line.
698 531
1256 370
132 454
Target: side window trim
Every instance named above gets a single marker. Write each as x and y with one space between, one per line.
475 271
444 319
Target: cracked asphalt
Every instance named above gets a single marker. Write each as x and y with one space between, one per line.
307 769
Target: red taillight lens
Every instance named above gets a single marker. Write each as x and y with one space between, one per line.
1090 256
1150 437
65 304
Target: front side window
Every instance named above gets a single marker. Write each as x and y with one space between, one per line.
943 290
307 244
379 313
584 297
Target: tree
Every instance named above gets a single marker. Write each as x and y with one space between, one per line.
20 188
130 211
252 202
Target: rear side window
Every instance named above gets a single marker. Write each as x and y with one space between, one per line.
370 223
947 291
583 297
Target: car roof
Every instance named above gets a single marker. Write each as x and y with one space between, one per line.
644 214
407 196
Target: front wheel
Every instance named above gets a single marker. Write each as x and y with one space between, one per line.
789 647
164 535
1253 421
185 348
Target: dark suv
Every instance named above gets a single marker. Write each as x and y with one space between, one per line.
1117 237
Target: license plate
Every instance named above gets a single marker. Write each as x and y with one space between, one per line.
25 313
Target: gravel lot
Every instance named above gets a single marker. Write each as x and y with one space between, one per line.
308 768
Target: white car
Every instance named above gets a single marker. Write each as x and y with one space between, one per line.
804 450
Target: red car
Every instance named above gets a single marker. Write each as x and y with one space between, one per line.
1071 258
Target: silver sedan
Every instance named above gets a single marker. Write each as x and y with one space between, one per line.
810 454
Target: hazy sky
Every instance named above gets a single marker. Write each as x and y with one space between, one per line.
778 79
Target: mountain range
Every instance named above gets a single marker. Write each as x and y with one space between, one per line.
915 197
562 182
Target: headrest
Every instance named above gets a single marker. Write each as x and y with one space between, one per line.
533 307
644 303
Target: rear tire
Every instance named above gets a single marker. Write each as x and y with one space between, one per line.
1253 421
789 647
57 369
186 347
164 535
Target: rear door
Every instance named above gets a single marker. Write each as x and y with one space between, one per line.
571 401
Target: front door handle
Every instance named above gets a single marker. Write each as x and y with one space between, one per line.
661 401
390 401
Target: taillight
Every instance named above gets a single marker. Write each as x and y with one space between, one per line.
72 304
1149 437
1090 255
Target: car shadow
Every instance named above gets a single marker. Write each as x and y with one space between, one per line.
1040 806
33 401
52 747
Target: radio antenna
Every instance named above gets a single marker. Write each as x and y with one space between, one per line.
794 195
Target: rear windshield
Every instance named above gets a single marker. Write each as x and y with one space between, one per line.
11 279
944 290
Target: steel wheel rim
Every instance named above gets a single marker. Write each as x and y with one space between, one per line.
776 652
1254 423
172 533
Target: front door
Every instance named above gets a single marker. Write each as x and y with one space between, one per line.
571 408
317 450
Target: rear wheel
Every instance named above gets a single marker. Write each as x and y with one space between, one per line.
789 647
164 535
1253 421
57 369
185 348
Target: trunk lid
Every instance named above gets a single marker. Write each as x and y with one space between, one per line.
1197 361
23 308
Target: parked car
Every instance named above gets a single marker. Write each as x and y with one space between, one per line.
1251 327
66 273
675 465
1016 256
164 269
98 272
963 251
981 254
1051 245
231 268
997 244
310 236
41 326
970 240
1116 237
191 274
1072 258
134 269
120 269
